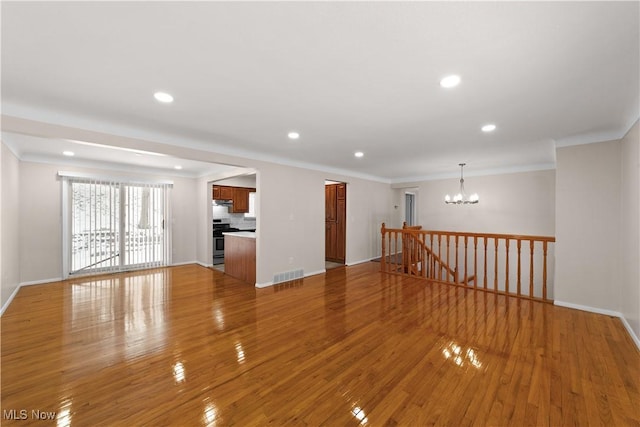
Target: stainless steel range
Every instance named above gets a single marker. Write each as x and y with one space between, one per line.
220 227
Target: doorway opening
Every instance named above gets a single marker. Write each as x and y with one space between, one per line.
233 209
410 208
335 220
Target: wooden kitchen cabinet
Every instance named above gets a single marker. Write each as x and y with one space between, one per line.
241 199
222 192
226 193
238 195
240 257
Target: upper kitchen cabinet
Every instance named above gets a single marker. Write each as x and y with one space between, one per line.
239 197
237 190
222 192
240 200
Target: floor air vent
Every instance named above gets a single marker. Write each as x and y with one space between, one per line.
288 276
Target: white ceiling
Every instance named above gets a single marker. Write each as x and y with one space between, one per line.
46 150
347 76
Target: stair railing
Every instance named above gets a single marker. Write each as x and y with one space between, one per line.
483 261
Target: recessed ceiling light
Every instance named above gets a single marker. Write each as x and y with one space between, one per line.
293 135
68 153
358 154
178 167
489 128
163 97
450 81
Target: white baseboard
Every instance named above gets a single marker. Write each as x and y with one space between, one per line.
587 308
313 273
362 261
20 285
41 282
11 297
175 264
264 285
617 314
202 264
634 337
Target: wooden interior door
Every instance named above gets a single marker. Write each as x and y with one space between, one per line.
335 222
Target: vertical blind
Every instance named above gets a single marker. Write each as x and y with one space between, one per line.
115 226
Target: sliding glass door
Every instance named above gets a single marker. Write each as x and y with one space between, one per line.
114 226
95 226
143 226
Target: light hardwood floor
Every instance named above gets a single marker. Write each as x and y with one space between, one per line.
188 345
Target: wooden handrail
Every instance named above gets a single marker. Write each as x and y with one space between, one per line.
488 235
453 257
417 257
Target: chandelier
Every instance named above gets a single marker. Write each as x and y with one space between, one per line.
461 198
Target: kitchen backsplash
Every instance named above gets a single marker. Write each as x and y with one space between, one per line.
236 220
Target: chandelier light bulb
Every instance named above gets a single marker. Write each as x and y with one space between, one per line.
447 198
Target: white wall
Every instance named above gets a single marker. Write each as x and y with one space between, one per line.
369 204
399 206
203 241
290 219
40 224
630 229
239 181
184 219
588 213
10 252
514 203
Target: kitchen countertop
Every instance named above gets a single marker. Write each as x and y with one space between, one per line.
247 234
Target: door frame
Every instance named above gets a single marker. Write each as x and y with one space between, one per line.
410 217
344 215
